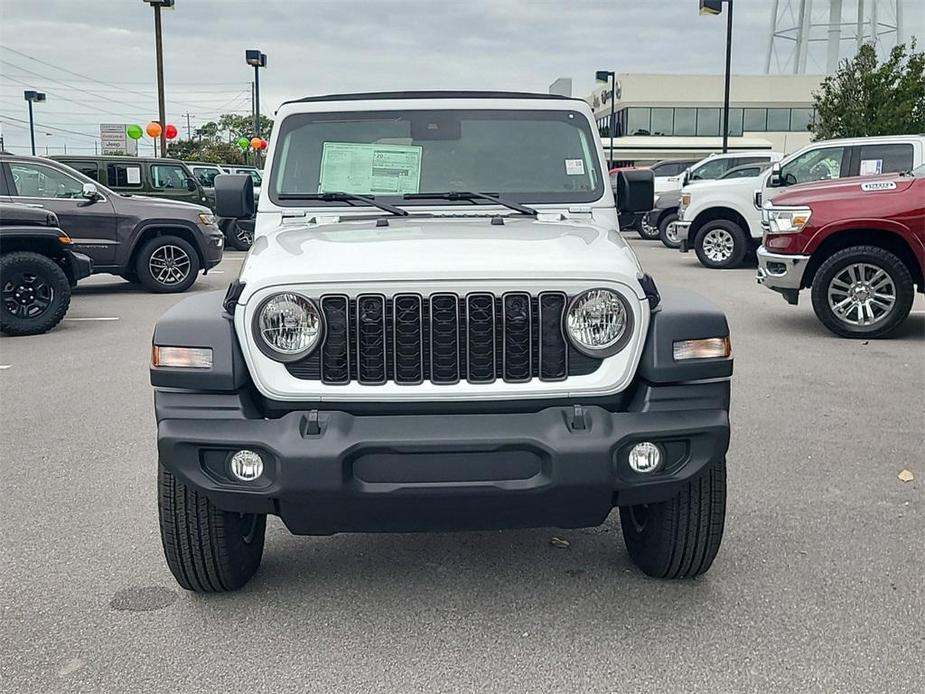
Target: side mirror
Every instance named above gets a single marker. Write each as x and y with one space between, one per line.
635 190
191 184
234 196
775 180
90 192
686 178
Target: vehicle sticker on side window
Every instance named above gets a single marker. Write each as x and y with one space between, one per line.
871 167
574 167
878 185
132 175
349 167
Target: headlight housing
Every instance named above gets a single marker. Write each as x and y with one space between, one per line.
599 322
287 326
205 218
786 220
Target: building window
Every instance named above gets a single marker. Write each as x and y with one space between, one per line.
662 121
685 121
778 119
756 120
708 121
801 119
638 121
735 122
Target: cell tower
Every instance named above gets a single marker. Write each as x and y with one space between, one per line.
800 27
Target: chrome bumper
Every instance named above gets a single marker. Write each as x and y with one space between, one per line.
781 272
681 229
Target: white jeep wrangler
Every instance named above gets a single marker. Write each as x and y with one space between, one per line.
438 327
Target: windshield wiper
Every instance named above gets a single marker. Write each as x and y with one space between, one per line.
468 195
344 197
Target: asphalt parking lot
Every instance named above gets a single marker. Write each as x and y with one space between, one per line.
817 587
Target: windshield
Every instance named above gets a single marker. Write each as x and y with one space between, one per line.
521 155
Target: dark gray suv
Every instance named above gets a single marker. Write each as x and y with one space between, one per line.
162 244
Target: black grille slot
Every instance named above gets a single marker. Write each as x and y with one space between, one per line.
518 342
444 338
480 337
553 348
335 352
371 355
408 327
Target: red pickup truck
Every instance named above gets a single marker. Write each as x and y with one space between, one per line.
858 243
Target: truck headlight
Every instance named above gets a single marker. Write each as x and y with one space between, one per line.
786 220
599 322
287 326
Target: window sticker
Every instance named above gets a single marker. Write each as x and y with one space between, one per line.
132 175
871 167
348 167
574 167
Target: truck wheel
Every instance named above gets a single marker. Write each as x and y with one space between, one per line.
208 550
167 264
669 238
679 538
240 237
720 244
647 231
862 292
34 291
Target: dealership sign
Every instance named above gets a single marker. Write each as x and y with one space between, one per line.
115 140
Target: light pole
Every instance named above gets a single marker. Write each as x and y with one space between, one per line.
32 97
603 76
162 112
258 60
714 7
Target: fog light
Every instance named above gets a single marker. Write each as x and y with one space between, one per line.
246 465
645 457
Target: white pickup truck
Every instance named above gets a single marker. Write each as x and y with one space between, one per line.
721 220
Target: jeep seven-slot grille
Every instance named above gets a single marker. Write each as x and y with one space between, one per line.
443 338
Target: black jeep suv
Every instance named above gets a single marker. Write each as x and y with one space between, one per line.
163 244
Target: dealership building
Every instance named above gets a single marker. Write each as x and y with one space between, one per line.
679 116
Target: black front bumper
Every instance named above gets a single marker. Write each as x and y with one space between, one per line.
78 266
333 471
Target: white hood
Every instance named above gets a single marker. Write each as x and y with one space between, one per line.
438 248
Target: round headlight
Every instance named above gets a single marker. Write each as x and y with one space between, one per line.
598 322
287 326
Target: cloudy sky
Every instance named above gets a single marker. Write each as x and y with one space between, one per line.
95 58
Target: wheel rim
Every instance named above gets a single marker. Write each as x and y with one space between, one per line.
648 229
27 295
169 264
718 245
244 235
862 294
671 234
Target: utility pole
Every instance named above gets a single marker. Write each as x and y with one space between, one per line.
189 130
159 49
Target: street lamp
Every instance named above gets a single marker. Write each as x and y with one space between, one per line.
162 112
258 60
32 96
603 76
714 7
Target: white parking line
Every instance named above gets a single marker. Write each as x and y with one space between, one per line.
5 366
91 319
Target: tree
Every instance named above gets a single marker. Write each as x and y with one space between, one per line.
216 141
866 98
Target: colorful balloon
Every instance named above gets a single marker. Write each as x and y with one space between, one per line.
264 144
153 129
255 142
243 142
170 131
134 131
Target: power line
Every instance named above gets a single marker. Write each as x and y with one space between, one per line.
5 117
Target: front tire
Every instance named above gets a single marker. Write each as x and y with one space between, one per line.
862 292
669 238
647 231
34 293
207 550
240 237
167 264
679 538
721 244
